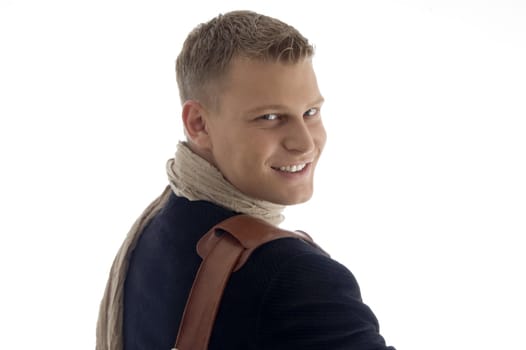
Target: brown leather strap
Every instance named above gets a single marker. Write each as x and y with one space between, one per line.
224 249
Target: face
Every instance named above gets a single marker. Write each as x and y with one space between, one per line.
266 135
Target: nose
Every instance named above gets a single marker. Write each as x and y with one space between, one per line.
299 137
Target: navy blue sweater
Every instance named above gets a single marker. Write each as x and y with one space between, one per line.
287 296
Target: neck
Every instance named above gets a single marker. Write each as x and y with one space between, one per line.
194 178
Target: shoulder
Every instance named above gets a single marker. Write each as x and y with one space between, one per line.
290 269
278 273
308 272
297 257
314 302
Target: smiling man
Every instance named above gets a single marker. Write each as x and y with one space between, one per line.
251 109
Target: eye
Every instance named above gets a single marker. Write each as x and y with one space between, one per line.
270 116
311 112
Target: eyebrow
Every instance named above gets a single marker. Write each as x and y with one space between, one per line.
264 108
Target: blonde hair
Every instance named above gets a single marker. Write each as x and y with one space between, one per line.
211 46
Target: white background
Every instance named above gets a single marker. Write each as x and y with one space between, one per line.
421 192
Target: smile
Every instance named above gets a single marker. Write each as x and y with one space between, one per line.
292 168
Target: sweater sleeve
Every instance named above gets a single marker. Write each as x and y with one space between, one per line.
314 303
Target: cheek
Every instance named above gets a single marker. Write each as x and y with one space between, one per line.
320 136
238 156
222 145
243 151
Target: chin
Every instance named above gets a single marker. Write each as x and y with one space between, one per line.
300 201
292 200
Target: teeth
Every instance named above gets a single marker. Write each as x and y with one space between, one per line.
293 168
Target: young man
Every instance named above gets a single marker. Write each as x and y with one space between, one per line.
251 109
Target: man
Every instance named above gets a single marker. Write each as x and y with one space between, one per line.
251 109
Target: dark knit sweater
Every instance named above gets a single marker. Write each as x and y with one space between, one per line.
287 296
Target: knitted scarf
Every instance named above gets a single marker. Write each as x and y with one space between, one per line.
189 176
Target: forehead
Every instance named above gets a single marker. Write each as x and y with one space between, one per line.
250 83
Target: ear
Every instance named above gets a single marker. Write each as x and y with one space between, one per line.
195 124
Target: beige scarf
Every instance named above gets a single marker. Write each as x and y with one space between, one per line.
189 176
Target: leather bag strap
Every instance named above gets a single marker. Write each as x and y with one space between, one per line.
224 249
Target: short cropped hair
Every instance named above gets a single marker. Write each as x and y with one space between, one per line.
211 46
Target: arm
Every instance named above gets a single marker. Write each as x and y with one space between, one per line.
315 303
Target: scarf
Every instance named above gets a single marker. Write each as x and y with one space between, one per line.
189 176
